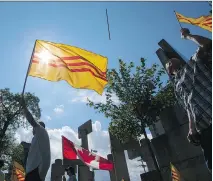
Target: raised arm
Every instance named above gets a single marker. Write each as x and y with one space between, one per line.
28 115
192 127
199 40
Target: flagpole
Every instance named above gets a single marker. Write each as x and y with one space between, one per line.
25 81
177 19
108 24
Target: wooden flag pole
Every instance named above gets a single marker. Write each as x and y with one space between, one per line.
108 24
25 81
177 19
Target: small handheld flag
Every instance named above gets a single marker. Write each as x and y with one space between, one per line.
175 173
18 173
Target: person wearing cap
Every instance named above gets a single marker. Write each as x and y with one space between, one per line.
193 90
38 160
71 174
2 177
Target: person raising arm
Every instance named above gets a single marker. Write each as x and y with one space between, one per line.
38 160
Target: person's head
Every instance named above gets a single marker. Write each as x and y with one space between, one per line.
41 124
70 171
1 163
173 65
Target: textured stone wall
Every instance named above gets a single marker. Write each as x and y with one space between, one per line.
174 147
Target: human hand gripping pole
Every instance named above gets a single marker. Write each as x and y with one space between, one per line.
28 115
184 31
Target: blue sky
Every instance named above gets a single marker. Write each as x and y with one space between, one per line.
136 28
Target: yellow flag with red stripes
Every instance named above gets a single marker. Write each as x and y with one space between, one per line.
18 173
204 22
175 173
80 68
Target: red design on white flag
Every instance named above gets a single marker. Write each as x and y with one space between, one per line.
72 151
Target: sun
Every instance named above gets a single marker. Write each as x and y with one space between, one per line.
44 56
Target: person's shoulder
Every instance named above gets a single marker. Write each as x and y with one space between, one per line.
40 130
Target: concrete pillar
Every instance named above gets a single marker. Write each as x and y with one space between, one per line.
84 174
120 165
57 170
26 147
53 172
152 175
84 139
111 173
121 169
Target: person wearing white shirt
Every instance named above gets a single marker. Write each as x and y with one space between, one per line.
38 160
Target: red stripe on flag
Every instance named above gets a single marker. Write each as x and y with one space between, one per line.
176 177
207 23
100 73
59 59
175 174
87 70
208 19
190 21
74 70
85 63
71 58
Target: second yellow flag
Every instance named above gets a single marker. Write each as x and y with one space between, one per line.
204 22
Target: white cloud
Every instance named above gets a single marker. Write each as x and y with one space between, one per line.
59 109
134 168
98 140
48 118
83 95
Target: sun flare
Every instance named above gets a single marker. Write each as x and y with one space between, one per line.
44 56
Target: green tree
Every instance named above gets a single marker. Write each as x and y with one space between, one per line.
141 99
12 117
18 154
